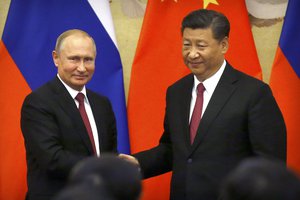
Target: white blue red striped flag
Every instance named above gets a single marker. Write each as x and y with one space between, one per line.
28 40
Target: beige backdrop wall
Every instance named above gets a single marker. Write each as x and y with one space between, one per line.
128 28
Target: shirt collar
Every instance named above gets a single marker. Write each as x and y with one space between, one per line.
73 92
211 83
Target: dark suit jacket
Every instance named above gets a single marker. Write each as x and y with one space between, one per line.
241 120
56 138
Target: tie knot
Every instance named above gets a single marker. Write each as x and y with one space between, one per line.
200 88
80 97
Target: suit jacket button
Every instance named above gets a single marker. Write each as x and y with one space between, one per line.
190 160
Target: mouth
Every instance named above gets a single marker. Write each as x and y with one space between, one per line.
80 77
194 64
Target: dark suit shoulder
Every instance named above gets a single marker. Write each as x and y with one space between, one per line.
98 99
248 79
247 88
43 93
182 83
96 95
232 76
254 86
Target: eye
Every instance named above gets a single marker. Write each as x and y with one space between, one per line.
88 59
186 44
73 58
201 46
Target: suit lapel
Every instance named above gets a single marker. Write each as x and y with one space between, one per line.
66 102
97 116
221 95
184 104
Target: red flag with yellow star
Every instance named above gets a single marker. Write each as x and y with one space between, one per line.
158 63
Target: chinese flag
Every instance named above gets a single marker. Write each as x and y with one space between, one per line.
285 81
158 63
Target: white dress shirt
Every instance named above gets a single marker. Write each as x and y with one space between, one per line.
210 85
88 110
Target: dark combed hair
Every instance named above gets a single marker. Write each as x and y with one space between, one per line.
204 19
261 179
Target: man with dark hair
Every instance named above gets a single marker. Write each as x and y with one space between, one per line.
215 117
91 188
261 179
63 122
120 178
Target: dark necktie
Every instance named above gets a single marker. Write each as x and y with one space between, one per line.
80 99
196 116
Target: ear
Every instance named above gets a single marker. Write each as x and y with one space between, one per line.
224 45
55 58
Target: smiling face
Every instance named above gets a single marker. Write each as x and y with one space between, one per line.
75 60
202 53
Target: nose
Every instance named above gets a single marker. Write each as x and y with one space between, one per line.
193 53
81 66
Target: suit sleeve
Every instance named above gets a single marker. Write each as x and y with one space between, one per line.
267 131
43 139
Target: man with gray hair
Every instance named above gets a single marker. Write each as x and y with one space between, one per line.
63 122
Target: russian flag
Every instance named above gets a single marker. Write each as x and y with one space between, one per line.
285 81
28 39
